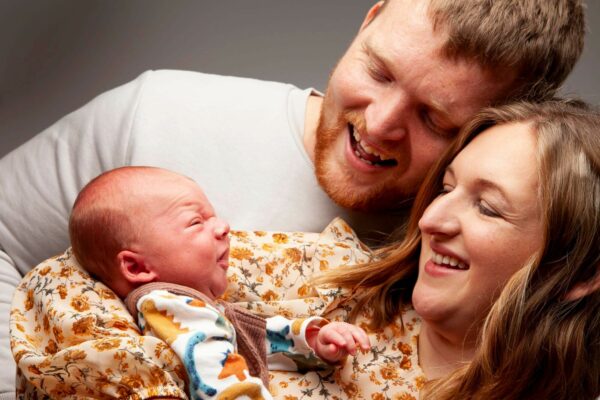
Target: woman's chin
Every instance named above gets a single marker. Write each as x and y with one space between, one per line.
425 301
431 303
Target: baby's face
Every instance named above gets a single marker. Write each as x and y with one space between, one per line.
182 240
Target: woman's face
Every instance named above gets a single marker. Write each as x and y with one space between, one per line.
480 230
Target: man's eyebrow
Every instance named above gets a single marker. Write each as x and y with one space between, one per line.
377 57
373 51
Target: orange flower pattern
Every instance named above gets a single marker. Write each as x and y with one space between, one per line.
73 330
73 338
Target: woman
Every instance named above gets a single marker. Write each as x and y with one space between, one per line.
500 264
502 258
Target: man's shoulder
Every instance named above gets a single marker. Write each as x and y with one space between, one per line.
191 80
156 92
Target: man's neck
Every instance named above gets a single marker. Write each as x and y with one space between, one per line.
311 121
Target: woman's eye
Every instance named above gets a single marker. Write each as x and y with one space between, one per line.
486 210
445 190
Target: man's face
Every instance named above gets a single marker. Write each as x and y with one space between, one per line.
392 106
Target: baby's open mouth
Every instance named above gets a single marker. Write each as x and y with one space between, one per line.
224 259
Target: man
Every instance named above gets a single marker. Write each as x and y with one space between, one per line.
416 71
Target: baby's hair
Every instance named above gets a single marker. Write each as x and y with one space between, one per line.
102 219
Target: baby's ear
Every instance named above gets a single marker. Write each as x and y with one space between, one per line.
133 268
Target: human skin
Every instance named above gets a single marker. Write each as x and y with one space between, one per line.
402 99
182 240
482 228
336 340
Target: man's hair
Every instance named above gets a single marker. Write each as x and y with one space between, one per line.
533 323
540 40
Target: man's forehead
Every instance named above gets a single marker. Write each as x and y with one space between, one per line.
402 10
403 40
452 88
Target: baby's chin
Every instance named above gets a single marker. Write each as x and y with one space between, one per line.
215 291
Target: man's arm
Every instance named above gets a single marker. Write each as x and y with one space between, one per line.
9 278
39 182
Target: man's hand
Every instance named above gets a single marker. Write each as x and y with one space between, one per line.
336 340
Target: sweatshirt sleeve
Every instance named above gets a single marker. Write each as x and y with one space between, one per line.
204 340
287 347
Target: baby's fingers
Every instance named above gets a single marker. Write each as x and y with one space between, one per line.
330 352
342 339
361 338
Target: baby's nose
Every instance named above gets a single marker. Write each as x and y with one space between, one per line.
221 228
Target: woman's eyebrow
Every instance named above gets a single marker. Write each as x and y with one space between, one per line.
486 184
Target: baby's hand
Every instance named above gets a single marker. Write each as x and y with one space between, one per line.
336 340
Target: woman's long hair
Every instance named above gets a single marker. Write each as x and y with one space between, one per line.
539 340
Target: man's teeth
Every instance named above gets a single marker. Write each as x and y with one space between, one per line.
368 149
357 154
447 260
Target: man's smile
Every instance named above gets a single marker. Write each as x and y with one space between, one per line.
366 153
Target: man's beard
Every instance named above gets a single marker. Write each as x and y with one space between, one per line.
336 181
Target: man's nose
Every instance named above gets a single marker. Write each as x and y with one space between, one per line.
441 217
387 115
221 228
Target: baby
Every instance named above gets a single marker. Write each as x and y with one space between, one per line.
152 236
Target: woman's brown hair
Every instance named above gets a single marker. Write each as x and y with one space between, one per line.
541 338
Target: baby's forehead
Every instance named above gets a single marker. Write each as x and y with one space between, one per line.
161 183
176 195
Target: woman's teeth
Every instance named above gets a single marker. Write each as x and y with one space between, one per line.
449 261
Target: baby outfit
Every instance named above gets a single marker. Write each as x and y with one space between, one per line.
226 351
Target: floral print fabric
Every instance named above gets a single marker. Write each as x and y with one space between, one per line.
72 338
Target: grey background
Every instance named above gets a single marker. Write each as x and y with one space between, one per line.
58 54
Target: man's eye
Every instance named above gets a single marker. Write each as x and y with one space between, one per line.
435 127
196 221
378 75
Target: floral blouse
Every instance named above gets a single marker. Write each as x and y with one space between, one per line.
72 337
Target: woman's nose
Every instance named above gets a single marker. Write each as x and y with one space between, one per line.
441 216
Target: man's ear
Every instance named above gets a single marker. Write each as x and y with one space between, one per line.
371 14
583 289
133 268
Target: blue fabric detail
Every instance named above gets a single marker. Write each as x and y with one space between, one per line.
278 340
190 364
